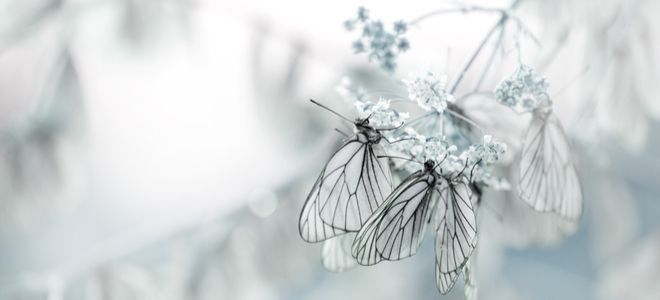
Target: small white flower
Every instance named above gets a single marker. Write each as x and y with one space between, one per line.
429 91
436 149
380 44
488 152
380 113
524 91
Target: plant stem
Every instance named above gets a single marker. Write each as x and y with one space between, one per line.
500 22
500 37
462 9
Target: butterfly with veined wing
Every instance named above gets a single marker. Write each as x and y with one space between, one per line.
396 229
352 185
548 179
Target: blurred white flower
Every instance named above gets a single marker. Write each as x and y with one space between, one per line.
524 91
429 91
379 43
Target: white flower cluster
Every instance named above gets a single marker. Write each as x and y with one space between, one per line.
524 91
429 91
468 160
380 114
380 44
438 149
488 152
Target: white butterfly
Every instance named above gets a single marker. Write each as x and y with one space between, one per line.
548 179
353 184
396 230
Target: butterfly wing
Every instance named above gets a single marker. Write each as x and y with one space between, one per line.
456 234
548 179
354 183
311 227
445 280
336 253
396 229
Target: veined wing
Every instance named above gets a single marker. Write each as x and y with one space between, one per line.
456 233
548 179
336 253
445 280
311 227
396 229
354 183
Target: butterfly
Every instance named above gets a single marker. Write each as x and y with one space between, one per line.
396 230
353 184
548 179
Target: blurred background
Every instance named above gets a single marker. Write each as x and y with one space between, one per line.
162 149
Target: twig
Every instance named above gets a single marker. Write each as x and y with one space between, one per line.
500 22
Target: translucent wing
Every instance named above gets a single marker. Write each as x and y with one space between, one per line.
548 180
445 280
471 288
354 183
456 234
311 227
396 229
336 253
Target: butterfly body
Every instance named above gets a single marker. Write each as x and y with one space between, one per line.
367 133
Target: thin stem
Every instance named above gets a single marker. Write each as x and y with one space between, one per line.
442 126
472 170
467 120
461 9
421 117
500 22
491 59
477 52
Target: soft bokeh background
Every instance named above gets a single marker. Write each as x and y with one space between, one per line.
162 149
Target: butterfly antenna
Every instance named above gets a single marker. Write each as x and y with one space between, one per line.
392 128
400 157
438 163
402 140
341 132
332 111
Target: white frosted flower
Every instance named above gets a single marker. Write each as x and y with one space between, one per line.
524 91
407 143
482 175
379 43
493 149
453 164
429 91
488 152
437 149
380 113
